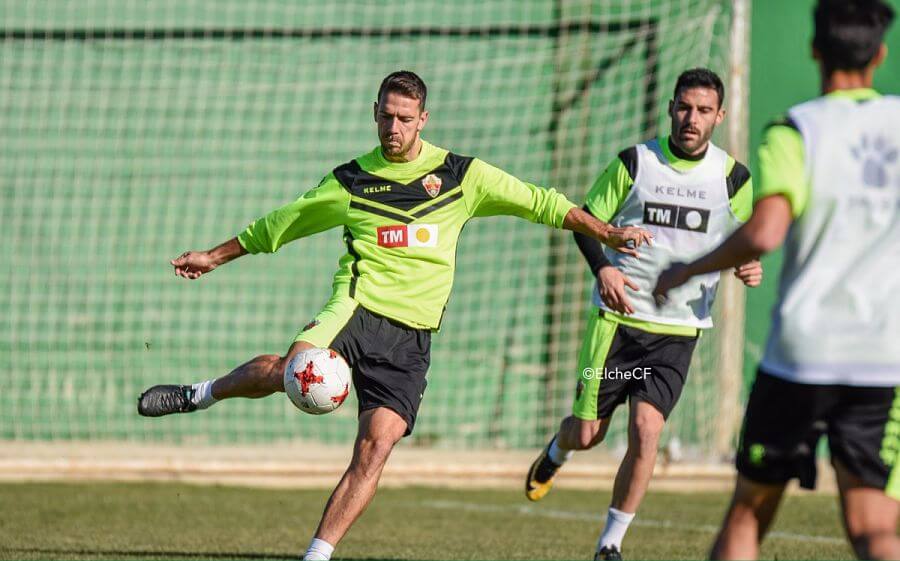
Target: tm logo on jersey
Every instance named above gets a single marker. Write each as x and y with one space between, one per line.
412 235
674 216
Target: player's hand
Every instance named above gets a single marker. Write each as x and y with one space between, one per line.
750 273
192 264
627 240
611 283
676 275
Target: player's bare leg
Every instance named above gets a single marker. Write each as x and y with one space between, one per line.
870 517
749 516
262 376
574 434
578 434
379 430
645 425
259 377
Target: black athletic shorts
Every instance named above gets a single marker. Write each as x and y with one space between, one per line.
785 420
618 362
389 360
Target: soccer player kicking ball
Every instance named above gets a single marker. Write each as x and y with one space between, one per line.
830 190
402 207
690 194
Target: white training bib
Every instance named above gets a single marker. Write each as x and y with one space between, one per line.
837 319
689 213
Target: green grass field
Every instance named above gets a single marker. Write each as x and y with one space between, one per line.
176 521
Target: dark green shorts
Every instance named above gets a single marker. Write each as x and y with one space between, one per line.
389 360
785 420
618 362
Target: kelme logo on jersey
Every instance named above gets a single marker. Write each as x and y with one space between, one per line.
412 235
432 184
674 216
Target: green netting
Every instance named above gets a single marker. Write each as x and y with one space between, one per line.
135 130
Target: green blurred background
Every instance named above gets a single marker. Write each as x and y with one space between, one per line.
121 151
133 131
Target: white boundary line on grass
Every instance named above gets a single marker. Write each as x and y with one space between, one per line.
529 510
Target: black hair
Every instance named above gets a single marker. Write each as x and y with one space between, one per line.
849 33
405 83
700 78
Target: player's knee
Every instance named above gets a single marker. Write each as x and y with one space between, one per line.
275 377
742 528
744 512
753 506
586 434
583 441
648 426
599 435
373 452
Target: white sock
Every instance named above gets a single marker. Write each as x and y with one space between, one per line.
203 397
616 525
557 454
319 550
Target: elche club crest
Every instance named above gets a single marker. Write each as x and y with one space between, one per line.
432 184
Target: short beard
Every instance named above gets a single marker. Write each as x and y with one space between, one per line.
701 140
400 151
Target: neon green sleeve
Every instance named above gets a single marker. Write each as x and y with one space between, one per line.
740 180
609 191
782 169
491 191
742 202
317 210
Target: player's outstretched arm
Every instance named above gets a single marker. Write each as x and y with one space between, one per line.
496 192
763 233
624 240
193 264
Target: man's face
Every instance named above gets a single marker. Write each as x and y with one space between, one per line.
695 114
400 119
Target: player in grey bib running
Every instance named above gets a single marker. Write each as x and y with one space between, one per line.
690 194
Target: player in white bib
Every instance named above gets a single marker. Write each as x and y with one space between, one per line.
691 195
830 190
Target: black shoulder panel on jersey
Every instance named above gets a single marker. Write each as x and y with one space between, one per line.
629 159
404 196
458 165
738 177
784 121
346 174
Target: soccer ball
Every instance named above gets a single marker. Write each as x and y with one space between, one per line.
317 381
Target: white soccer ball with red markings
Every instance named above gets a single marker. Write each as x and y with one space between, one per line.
317 381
